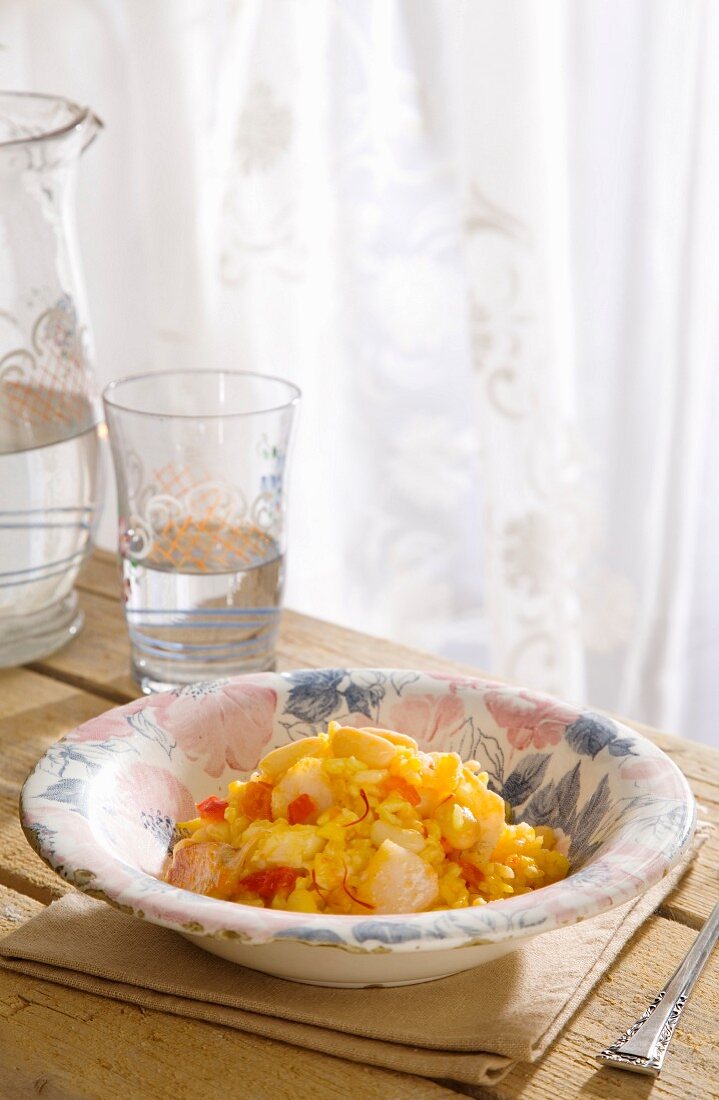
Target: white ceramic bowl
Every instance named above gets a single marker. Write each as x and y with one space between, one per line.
101 805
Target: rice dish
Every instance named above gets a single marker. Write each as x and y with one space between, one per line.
356 821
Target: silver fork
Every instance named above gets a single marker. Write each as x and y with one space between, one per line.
642 1047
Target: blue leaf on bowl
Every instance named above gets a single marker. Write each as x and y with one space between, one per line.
306 932
589 820
400 680
364 699
529 920
63 756
591 733
72 791
525 779
385 931
314 696
488 749
622 747
147 726
542 807
44 835
567 794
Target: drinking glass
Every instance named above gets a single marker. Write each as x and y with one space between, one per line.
201 461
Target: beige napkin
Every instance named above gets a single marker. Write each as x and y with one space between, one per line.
470 1027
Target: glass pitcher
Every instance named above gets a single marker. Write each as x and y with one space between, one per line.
49 413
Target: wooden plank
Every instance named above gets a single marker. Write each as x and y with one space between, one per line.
67 1044
15 909
98 659
695 895
692 1065
36 711
101 574
306 642
693 899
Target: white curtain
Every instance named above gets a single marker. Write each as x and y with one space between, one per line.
483 237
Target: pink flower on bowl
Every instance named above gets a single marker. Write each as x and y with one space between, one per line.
529 719
237 724
470 683
77 844
241 712
143 787
658 772
429 717
112 724
140 793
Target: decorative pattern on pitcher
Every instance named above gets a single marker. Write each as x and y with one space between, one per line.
49 382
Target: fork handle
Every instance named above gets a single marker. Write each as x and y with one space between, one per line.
642 1047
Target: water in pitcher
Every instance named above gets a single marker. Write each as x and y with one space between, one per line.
204 602
48 496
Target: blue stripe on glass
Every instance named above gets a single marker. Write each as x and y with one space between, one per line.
56 508
35 580
204 653
160 645
178 624
39 568
45 526
271 611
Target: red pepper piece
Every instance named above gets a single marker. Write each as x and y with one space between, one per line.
276 880
300 809
256 802
408 792
213 808
471 874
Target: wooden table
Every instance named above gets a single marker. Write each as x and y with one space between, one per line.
64 1044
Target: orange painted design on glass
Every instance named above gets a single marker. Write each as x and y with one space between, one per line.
208 536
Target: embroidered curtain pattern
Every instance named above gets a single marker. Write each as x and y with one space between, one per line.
482 238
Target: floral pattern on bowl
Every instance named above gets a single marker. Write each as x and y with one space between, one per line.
101 805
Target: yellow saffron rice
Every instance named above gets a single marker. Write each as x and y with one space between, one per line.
361 821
